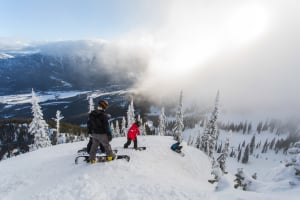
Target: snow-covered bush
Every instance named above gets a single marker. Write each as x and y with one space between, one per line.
242 180
61 139
216 172
295 149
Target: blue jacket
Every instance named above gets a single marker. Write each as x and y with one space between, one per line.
175 146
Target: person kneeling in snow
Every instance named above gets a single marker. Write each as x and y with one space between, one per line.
131 135
176 147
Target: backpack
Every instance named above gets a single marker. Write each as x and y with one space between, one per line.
94 123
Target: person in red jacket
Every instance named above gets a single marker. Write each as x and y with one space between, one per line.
132 133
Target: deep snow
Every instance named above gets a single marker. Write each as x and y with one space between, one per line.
157 173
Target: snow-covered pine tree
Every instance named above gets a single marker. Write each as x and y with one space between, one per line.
123 127
224 155
245 158
162 122
210 133
249 128
244 143
57 119
91 104
252 144
241 180
227 144
117 129
196 140
265 147
113 132
190 140
216 171
272 143
259 127
232 153
38 127
239 155
130 115
193 136
178 129
219 149
143 129
142 126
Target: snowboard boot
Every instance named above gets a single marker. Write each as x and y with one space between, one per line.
93 161
111 157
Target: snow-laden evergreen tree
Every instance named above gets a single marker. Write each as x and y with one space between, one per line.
225 152
293 166
272 143
91 104
123 127
38 127
113 132
130 115
252 144
57 119
242 180
178 129
239 155
216 171
162 122
190 140
265 147
245 158
219 149
210 133
117 129
197 139
142 126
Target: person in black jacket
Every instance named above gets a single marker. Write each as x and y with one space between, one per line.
89 145
98 127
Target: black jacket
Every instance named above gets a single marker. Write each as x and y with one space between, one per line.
98 123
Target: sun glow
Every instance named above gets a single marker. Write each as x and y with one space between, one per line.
247 23
190 40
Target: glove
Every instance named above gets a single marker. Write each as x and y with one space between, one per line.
109 136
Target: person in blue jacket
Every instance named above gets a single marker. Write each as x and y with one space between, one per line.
176 147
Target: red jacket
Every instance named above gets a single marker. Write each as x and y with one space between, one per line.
133 131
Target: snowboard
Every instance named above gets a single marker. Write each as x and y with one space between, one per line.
179 152
139 148
83 151
101 158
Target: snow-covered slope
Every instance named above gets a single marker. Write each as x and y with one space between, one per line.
157 173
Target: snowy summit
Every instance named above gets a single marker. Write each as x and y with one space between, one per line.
156 173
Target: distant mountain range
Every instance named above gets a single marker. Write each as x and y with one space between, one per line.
21 72
63 66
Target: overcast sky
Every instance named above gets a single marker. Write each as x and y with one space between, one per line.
249 50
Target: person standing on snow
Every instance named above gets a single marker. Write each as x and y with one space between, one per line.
89 145
99 127
131 135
